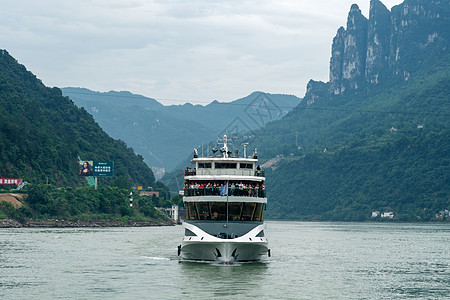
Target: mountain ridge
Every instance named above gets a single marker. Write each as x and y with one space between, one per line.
151 128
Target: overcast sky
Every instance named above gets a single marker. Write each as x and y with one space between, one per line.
176 51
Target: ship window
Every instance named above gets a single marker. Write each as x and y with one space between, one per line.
259 210
187 232
225 165
235 211
217 211
203 210
245 166
204 165
191 213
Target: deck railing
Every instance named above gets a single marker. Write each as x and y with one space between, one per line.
231 192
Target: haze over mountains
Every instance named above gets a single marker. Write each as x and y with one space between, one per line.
165 135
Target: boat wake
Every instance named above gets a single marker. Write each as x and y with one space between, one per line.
155 258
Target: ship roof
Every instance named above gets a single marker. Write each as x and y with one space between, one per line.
225 159
226 177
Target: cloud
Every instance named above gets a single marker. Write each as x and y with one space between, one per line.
194 51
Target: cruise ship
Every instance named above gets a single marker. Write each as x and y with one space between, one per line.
224 198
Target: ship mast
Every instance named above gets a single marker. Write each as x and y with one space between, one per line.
224 149
225 146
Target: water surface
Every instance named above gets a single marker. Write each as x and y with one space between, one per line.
309 261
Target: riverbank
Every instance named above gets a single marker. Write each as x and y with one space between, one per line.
50 223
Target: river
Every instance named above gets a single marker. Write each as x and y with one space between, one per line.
309 261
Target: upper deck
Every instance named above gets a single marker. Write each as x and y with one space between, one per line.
219 168
240 178
225 166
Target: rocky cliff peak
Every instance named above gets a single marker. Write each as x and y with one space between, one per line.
378 35
315 90
348 60
419 28
388 44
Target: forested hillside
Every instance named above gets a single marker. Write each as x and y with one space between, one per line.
390 156
376 137
42 134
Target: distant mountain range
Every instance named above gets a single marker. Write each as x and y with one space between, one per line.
165 135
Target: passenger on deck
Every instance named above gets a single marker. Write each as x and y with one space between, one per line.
232 187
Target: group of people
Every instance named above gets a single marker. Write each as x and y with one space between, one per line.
190 172
216 189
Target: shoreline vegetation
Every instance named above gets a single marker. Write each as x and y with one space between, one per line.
47 206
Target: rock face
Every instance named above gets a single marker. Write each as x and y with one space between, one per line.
348 59
315 90
378 36
389 44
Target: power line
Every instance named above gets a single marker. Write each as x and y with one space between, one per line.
377 111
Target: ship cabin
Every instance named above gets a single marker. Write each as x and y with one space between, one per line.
224 189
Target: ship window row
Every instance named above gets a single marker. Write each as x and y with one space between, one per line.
217 211
248 167
239 189
225 165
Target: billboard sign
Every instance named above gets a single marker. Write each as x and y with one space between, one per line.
10 181
103 168
85 168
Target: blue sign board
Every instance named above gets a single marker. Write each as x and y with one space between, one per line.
103 168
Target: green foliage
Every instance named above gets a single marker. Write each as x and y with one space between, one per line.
83 203
42 133
6 209
378 157
408 175
147 207
177 200
121 183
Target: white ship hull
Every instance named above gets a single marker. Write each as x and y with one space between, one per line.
210 248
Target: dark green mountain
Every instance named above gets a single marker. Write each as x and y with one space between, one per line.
165 135
42 134
376 137
356 157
